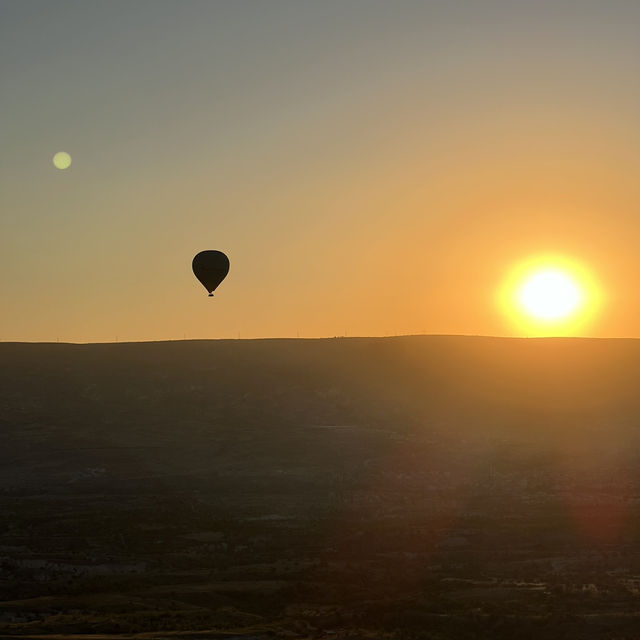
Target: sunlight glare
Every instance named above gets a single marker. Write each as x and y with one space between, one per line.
549 296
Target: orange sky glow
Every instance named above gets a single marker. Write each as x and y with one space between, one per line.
368 171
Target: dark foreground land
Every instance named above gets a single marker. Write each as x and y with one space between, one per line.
417 487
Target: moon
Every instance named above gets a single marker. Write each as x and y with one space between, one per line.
62 160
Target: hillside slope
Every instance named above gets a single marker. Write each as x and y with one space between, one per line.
436 487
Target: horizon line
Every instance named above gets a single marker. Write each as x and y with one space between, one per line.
300 338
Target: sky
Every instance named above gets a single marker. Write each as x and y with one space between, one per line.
369 167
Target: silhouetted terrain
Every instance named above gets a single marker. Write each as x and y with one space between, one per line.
415 487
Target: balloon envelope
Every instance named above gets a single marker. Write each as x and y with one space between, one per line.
211 268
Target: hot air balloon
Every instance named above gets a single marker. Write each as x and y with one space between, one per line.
211 268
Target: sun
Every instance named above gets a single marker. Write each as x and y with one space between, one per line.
549 295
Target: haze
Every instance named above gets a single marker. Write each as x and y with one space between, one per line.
369 167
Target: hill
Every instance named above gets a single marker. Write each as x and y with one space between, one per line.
376 484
